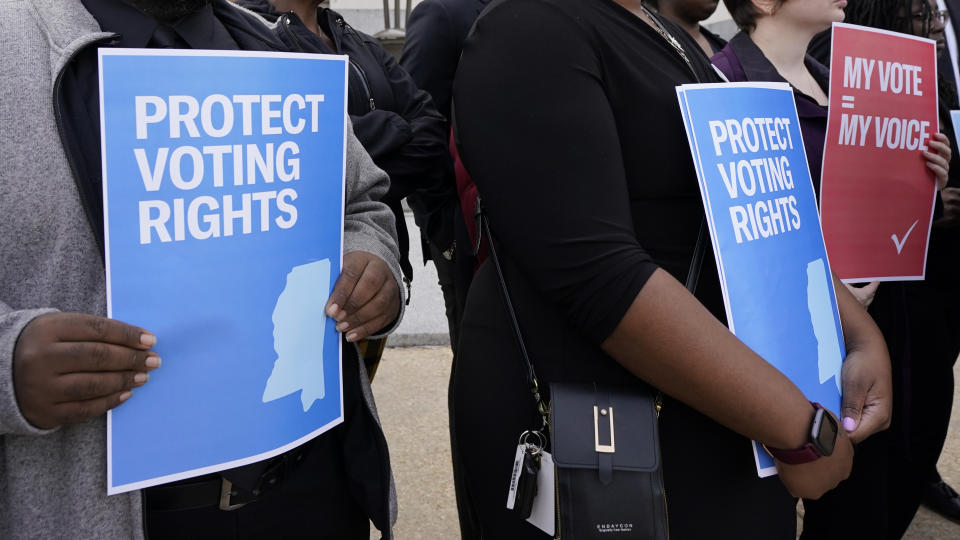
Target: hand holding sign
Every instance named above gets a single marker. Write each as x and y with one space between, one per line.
69 367
365 298
938 158
866 404
867 395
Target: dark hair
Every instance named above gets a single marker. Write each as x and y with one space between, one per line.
744 13
895 15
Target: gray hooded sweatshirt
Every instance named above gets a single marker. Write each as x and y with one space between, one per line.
53 483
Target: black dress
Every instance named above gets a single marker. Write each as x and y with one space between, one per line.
569 123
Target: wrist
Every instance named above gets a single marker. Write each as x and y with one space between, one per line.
821 438
796 421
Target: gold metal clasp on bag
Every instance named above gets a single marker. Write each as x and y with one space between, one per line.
603 448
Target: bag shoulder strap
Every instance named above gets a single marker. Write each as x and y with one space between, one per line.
693 278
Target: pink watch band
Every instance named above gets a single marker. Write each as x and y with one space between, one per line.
805 454
798 456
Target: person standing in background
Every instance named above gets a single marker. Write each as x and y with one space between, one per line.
924 344
920 319
436 31
394 120
435 34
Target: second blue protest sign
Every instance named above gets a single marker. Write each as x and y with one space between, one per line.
763 220
223 210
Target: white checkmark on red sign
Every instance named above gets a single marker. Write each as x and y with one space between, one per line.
899 243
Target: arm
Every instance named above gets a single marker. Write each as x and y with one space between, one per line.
381 132
710 369
431 52
417 163
12 322
367 297
557 195
715 373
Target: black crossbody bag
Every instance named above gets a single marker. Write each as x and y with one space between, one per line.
606 444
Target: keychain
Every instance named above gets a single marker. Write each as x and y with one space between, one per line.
526 468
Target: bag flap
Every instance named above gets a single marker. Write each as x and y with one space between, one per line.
589 420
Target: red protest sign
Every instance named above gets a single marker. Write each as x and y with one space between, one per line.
876 192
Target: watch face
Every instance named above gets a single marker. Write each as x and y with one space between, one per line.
824 432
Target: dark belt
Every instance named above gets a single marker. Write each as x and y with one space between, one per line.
216 491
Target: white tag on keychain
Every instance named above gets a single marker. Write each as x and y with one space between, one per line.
544 514
515 475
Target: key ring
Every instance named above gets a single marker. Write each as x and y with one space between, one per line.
535 448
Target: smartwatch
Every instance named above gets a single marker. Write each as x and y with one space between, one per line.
823 437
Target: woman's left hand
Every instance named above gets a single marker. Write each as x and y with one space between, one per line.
864 294
867 395
938 158
865 378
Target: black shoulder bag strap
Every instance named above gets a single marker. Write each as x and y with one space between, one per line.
693 278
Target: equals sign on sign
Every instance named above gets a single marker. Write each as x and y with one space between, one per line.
846 102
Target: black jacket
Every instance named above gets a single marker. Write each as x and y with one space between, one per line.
435 35
364 448
394 120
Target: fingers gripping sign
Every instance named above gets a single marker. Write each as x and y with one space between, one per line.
938 158
71 367
867 395
365 298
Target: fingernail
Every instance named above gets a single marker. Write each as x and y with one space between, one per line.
341 315
141 378
352 336
148 340
343 326
849 424
125 396
153 362
332 310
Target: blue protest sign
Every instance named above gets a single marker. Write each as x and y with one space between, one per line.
763 221
955 118
223 188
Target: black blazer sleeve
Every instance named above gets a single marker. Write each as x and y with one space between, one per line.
431 52
410 144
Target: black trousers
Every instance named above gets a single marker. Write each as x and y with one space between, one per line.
313 501
455 276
